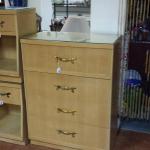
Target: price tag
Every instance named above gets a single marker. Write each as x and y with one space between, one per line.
1 102
58 70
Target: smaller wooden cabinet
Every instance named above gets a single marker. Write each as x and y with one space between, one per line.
14 23
71 89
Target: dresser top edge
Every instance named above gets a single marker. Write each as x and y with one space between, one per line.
72 39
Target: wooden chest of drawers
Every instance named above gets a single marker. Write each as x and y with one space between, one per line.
71 90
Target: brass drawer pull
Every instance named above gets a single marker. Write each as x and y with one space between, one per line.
60 110
2 23
65 88
72 60
5 94
73 134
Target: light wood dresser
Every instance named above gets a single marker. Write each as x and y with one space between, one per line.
71 88
14 23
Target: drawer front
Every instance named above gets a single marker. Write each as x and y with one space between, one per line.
7 23
72 61
10 95
76 99
73 135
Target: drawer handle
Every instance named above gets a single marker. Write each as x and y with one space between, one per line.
2 23
60 110
73 134
72 60
5 94
65 88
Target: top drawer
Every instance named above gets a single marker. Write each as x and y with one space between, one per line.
80 61
7 23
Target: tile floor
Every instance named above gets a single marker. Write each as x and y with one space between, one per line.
126 141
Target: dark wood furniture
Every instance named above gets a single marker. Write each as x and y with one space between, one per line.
139 58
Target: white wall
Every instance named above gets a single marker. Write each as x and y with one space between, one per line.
44 9
46 13
104 16
122 16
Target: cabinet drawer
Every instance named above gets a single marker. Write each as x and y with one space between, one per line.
7 23
76 99
72 60
10 93
68 134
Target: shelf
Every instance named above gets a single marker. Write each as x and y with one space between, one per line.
10 123
8 67
73 9
70 9
8 56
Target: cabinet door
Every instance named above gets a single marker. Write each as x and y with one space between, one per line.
76 99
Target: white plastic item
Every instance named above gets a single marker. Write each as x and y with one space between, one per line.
1 102
58 70
76 24
7 3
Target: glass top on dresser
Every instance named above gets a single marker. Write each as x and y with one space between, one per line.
74 37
